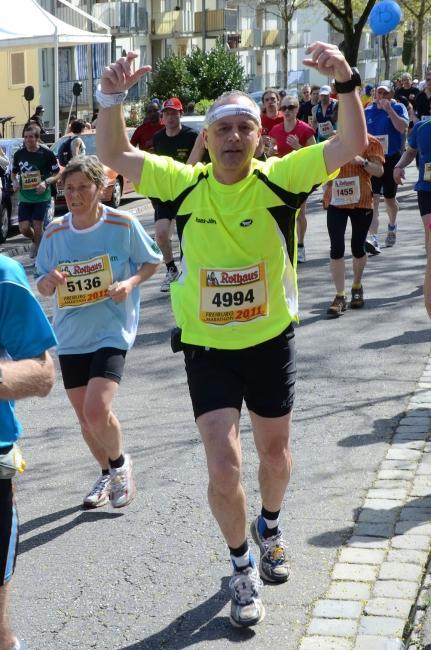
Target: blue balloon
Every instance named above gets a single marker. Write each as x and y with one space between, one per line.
384 17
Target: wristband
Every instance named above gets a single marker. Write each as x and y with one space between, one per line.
106 100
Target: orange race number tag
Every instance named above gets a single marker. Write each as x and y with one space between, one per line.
87 282
30 180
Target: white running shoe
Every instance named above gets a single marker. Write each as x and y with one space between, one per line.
301 255
123 487
246 606
32 251
170 276
274 566
99 493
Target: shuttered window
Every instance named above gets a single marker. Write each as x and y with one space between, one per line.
17 68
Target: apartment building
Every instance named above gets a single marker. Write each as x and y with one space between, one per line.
155 28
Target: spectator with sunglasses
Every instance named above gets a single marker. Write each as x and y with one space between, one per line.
293 134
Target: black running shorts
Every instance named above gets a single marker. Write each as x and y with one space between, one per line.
387 180
262 375
8 531
424 202
78 369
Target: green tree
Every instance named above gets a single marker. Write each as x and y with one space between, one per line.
172 78
199 75
348 17
222 72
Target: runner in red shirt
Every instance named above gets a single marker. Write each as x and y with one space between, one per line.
143 136
271 114
293 134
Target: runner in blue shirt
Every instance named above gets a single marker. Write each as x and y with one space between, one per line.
419 142
26 369
387 120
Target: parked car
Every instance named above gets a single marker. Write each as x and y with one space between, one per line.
9 200
117 185
195 122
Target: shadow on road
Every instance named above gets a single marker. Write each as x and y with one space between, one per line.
197 625
85 517
409 336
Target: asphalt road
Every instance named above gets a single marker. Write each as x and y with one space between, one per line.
154 575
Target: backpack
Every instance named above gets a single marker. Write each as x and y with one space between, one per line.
64 154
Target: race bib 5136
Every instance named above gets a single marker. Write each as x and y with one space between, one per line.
87 282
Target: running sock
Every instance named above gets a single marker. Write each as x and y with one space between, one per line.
341 294
271 520
357 285
105 472
300 245
240 556
118 462
171 266
392 228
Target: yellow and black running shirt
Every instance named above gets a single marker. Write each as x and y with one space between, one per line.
238 283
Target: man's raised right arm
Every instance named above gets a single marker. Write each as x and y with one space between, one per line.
113 146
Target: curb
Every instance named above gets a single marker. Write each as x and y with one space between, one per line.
380 586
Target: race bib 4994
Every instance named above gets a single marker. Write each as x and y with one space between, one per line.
233 295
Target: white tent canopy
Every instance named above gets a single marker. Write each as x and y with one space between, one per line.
24 24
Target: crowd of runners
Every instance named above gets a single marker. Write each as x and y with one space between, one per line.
240 213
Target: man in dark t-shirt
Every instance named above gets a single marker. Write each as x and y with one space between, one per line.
175 141
407 90
423 99
34 169
306 108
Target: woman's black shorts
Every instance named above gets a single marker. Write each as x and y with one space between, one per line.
78 369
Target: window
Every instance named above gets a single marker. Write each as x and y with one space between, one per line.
17 68
45 67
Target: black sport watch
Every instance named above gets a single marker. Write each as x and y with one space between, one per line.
347 86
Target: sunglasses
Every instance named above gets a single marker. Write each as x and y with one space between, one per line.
290 107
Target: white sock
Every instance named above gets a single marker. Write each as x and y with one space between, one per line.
241 561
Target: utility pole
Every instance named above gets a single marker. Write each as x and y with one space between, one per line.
204 25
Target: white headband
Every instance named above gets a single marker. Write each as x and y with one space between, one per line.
227 110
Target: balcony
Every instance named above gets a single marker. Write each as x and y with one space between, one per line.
251 38
122 17
65 95
68 15
217 20
273 38
173 23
